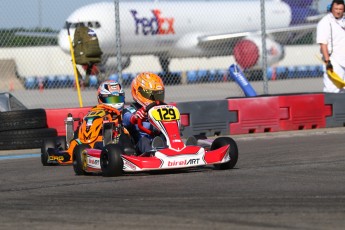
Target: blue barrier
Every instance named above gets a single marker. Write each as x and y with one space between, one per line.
192 76
93 81
31 83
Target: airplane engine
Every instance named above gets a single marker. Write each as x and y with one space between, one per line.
248 52
187 46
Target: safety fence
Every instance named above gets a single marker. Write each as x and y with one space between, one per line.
39 63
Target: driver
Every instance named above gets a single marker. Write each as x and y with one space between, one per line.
146 88
110 93
111 101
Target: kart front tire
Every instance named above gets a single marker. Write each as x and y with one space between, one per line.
44 160
233 151
78 159
47 143
111 160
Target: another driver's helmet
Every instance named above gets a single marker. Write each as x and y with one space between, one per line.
111 93
147 88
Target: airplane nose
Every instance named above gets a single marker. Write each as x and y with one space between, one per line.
63 41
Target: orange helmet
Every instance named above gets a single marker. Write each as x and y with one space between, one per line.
147 88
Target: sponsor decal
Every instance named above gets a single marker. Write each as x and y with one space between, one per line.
241 78
183 162
154 25
129 165
92 34
175 140
56 158
92 161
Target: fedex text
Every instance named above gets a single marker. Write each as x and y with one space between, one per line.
155 25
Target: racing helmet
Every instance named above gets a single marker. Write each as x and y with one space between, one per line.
147 88
111 94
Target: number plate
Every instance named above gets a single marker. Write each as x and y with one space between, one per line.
165 113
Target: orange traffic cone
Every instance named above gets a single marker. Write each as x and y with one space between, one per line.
11 86
40 86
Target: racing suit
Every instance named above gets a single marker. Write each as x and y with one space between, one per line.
143 140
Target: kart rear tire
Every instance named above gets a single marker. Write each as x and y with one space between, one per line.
111 160
78 159
233 152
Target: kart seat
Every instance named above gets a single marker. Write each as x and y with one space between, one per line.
158 143
191 141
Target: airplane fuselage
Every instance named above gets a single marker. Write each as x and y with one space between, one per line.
172 28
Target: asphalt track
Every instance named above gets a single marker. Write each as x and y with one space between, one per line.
289 180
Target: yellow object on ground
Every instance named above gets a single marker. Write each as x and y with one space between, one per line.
337 81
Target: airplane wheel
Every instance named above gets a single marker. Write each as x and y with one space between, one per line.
79 159
111 161
233 152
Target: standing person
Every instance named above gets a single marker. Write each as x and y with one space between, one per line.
146 88
331 37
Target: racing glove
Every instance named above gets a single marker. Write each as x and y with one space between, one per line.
139 114
329 66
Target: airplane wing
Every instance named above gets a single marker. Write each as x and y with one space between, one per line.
283 36
246 46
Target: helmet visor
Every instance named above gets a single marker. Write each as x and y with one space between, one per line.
153 95
113 99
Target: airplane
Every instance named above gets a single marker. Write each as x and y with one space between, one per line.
183 29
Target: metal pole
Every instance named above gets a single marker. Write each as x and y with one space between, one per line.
118 40
264 49
40 14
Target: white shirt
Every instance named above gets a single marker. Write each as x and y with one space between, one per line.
331 31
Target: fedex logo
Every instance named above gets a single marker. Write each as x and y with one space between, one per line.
155 25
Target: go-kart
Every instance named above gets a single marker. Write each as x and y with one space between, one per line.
99 122
173 153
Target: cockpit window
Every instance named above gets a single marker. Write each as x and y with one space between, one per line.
91 24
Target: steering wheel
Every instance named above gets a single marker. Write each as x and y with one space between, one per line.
140 121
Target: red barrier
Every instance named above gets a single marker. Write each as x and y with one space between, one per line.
255 115
56 117
304 111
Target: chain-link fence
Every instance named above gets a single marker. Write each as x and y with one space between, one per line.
36 70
